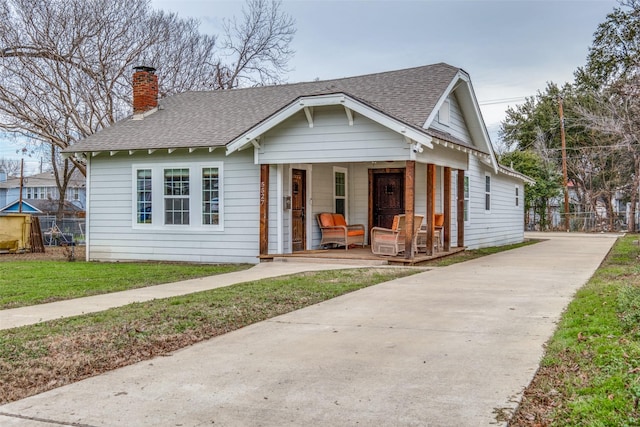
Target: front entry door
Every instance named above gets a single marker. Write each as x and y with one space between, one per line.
298 210
387 196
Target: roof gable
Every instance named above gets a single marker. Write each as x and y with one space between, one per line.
350 105
15 207
461 86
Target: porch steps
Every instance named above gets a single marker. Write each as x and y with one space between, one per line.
345 261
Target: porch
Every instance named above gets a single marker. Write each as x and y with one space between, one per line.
358 255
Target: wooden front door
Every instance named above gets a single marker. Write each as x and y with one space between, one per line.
298 210
387 196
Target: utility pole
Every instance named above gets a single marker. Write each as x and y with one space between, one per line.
21 184
564 165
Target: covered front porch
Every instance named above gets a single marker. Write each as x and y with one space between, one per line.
365 193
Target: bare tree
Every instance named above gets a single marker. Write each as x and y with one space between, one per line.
10 167
615 112
257 46
65 65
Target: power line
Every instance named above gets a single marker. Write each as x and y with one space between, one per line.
502 100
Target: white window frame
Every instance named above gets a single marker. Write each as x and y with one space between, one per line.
174 212
487 192
195 197
517 196
336 170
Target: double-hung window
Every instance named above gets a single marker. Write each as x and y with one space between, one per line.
340 191
143 196
176 196
184 196
210 196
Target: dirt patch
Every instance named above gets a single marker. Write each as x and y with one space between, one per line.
51 253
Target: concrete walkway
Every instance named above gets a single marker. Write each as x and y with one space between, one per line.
41 313
454 346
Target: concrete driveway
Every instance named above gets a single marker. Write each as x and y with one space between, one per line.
454 346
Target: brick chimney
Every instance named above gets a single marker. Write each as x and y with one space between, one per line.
145 89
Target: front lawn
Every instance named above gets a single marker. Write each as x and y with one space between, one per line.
40 357
25 283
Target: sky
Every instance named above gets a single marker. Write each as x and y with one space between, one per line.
510 48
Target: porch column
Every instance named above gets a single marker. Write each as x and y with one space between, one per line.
447 208
409 206
431 204
264 209
460 208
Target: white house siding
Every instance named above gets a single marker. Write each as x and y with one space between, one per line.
331 140
504 223
113 235
457 126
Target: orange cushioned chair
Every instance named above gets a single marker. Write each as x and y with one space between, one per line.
335 230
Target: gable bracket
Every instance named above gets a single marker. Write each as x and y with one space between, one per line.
349 113
308 112
256 143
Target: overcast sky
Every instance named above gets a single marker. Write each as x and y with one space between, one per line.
511 48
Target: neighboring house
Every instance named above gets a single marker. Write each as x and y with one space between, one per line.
228 176
43 207
40 192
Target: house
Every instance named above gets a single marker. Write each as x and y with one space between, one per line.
40 194
229 176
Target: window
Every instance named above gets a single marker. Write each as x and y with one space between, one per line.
487 193
144 196
517 196
210 196
466 198
189 196
444 114
39 193
176 196
340 191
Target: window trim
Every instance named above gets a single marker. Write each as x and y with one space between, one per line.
517 196
195 197
466 196
338 169
487 193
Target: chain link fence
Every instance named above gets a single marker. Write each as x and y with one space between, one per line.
589 222
65 231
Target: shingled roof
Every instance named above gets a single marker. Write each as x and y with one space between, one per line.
215 118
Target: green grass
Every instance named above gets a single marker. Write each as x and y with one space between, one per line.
25 283
592 363
50 354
